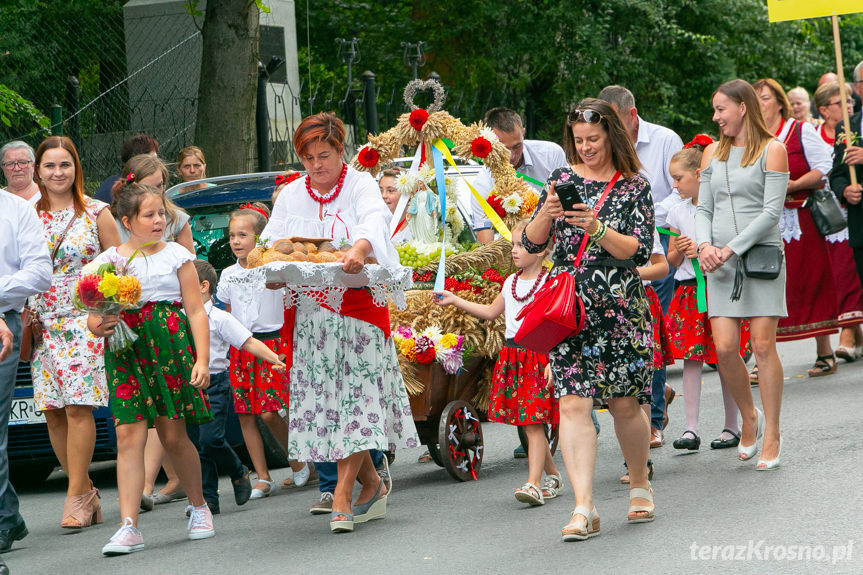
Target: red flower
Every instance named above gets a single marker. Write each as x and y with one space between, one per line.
124 391
132 319
493 275
88 290
173 381
282 179
426 356
480 147
424 277
139 417
418 119
272 405
173 323
496 205
368 157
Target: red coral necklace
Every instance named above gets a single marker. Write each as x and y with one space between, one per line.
325 199
532 291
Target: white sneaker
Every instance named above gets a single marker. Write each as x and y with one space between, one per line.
301 477
200 522
126 540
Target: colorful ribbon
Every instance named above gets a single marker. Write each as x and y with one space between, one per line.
495 219
530 180
440 179
700 289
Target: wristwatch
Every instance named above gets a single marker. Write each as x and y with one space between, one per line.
701 247
3 315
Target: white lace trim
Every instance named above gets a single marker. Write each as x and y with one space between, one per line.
308 285
841 235
789 225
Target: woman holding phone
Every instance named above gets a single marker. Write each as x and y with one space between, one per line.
611 358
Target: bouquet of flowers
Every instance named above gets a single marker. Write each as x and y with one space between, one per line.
107 289
431 345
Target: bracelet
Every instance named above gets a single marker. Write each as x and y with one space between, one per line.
701 247
599 233
599 229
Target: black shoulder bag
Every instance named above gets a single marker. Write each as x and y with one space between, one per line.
761 261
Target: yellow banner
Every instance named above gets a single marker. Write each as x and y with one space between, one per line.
489 211
781 10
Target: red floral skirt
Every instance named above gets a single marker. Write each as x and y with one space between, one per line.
848 291
257 388
519 392
151 379
661 346
689 333
809 286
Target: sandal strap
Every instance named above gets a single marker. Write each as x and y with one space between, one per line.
642 493
690 432
737 435
582 510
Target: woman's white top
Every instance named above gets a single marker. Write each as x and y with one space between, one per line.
157 272
262 313
359 212
657 249
682 217
511 306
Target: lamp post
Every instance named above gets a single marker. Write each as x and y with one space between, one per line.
414 56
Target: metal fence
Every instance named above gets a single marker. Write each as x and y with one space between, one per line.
115 72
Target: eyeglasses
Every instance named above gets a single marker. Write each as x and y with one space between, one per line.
838 103
586 115
20 164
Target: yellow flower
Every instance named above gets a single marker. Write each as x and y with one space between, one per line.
407 348
529 203
449 340
129 290
109 285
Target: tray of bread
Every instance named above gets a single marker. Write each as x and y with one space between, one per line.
297 249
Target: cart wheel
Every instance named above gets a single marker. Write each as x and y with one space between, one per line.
551 434
434 452
461 443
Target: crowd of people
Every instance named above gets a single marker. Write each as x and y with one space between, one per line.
653 216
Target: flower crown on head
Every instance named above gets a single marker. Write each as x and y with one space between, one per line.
702 140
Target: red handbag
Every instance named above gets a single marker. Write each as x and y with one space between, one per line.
556 311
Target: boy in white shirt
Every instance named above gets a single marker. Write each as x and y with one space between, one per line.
225 331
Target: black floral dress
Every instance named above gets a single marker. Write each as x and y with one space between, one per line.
612 356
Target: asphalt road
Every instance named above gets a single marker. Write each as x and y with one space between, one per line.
714 515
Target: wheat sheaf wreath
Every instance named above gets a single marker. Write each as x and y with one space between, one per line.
511 197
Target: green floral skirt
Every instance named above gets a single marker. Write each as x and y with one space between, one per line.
151 379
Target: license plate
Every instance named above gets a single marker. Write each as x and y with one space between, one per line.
24 412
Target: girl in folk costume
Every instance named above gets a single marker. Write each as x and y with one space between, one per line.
258 388
689 330
347 392
160 379
828 101
522 392
806 254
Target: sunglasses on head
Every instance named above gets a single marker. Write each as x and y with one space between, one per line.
586 115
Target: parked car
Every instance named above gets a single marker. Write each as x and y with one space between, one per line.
31 458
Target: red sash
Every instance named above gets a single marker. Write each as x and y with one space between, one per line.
358 304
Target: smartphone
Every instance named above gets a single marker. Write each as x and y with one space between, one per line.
568 193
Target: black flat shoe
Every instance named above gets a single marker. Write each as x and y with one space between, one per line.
9 536
720 443
691 443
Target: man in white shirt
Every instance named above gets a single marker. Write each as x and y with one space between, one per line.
25 270
535 159
18 161
654 145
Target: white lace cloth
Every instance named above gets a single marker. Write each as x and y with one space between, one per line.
308 285
841 235
789 225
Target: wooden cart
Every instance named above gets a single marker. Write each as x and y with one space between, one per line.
447 421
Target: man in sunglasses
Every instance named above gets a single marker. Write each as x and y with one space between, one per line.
535 159
654 145
18 159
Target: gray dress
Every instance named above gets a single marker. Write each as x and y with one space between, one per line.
758 196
